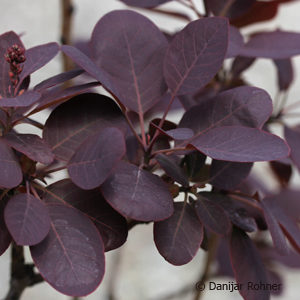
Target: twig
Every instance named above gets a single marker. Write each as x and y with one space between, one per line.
66 34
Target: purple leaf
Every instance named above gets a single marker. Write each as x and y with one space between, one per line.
241 144
282 171
177 133
96 157
31 145
139 78
194 162
71 257
22 100
137 194
172 169
285 208
240 64
11 174
6 40
5 237
179 237
195 55
235 43
277 235
247 266
292 136
58 79
266 45
212 215
245 106
144 3
228 175
111 225
27 219
285 73
239 213
82 116
37 57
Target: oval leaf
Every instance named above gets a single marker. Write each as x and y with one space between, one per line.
241 144
212 215
141 48
31 145
94 160
195 55
11 174
247 266
71 257
27 219
137 194
179 237
22 100
111 225
82 116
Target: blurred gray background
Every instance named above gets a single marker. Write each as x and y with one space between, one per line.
137 271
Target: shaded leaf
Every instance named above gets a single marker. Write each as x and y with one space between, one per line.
292 136
285 73
282 171
71 257
194 162
212 215
137 194
228 175
11 174
37 57
23 100
96 157
240 64
247 266
27 219
5 237
172 169
111 225
179 237
241 144
195 55
138 78
72 122
31 145
235 43
177 133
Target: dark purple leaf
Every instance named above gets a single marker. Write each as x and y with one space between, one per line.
285 73
11 173
137 194
239 213
212 215
194 163
266 45
230 9
27 219
292 136
240 64
228 175
82 116
277 235
282 171
172 169
247 266
6 40
96 157
37 57
195 55
5 237
144 3
285 207
177 133
22 100
179 237
245 106
138 78
71 257
58 95
90 67
241 144
235 43
58 79
111 225
31 145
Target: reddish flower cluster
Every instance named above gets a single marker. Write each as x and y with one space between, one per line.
15 56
